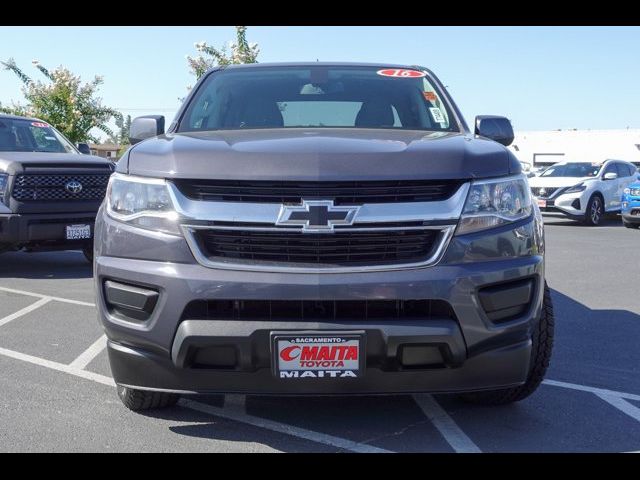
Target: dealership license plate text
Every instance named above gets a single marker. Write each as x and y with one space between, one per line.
318 357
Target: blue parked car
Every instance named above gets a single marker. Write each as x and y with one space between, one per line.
631 205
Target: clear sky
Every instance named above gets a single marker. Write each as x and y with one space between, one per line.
542 78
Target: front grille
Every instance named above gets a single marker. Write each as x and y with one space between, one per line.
341 248
317 310
547 191
45 187
261 191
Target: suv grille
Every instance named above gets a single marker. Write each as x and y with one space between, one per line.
45 187
341 248
317 310
548 191
260 191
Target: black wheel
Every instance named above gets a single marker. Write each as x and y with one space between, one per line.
595 211
137 400
631 225
88 253
542 344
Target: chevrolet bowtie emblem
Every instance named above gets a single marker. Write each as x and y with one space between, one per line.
316 216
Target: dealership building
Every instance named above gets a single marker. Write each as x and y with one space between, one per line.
540 148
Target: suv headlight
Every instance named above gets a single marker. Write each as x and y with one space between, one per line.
495 202
581 187
4 180
143 202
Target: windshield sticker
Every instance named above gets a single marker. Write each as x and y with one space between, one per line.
39 124
400 73
430 96
437 115
53 139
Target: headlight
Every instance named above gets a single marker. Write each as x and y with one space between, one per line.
143 202
4 180
495 202
581 187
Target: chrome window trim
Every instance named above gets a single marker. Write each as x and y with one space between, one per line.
189 231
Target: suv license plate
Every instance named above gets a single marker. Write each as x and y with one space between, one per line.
318 354
542 203
78 232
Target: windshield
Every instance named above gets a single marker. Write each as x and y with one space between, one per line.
317 97
572 170
22 135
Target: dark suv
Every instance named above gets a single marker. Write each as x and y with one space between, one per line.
321 228
49 191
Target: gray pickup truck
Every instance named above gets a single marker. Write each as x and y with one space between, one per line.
49 191
321 228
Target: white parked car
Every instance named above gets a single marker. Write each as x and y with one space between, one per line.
582 190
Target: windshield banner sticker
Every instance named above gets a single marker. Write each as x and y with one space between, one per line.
39 124
400 73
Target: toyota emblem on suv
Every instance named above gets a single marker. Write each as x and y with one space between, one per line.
316 216
73 187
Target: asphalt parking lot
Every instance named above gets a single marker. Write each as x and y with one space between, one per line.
56 393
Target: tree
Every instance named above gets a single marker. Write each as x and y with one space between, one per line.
241 52
63 101
122 135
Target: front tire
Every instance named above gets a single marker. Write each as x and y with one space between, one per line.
542 344
139 400
595 211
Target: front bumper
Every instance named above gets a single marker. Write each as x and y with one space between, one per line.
631 209
502 367
570 204
41 228
480 353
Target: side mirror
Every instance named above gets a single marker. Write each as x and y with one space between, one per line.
84 148
146 127
610 176
495 128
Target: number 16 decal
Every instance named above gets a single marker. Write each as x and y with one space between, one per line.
400 73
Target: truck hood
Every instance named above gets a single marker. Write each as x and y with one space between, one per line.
14 162
319 154
554 182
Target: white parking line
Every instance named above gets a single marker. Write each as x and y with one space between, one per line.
622 405
447 427
234 414
40 295
597 391
90 353
25 310
60 367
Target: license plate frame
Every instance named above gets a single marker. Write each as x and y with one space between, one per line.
310 339
78 232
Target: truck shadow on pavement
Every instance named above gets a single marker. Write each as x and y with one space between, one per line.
45 265
592 347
